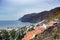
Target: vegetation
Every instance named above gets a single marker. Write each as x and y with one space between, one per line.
15 34
12 34
38 25
31 28
55 35
55 15
19 34
4 35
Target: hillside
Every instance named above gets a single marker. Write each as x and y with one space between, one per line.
52 33
55 15
37 17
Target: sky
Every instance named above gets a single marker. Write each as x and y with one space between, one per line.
14 9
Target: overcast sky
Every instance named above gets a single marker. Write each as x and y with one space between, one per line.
14 9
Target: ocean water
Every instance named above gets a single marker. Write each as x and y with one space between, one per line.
9 24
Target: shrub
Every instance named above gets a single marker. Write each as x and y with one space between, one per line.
55 35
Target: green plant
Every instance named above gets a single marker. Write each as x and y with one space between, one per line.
30 29
4 35
12 34
38 25
55 35
20 33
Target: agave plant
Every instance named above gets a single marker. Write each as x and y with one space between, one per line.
20 33
12 34
31 27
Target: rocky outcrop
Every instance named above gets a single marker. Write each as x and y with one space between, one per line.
52 33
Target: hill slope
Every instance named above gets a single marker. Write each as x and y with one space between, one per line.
51 33
37 17
55 15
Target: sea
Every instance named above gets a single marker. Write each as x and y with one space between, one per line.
13 24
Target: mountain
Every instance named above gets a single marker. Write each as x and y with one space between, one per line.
37 17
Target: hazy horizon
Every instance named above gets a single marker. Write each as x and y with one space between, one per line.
14 9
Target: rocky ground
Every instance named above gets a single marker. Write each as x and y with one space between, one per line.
52 33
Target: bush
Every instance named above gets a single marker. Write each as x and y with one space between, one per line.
12 34
4 35
55 35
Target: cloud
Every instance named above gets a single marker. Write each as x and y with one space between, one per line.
14 9
22 2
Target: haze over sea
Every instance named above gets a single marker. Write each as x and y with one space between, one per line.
12 24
